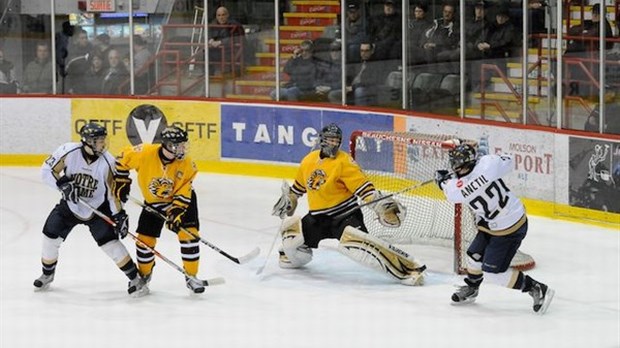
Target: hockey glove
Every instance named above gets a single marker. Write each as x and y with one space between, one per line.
121 220
68 189
174 217
122 186
286 205
390 212
441 176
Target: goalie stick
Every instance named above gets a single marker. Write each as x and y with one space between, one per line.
206 282
238 260
406 189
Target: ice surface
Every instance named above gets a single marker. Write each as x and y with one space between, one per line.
333 302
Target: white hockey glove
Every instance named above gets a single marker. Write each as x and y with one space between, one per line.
391 213
287 203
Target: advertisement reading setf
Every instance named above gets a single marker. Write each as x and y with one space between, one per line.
133 122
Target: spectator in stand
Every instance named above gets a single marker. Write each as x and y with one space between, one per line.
363 79
385 32
95 74
115 75
442 37
417 27
81 45
38 73
8 83
301 69
589 28
63 38
495 45
141 57
221 42
104 47
329 72
78 63
356 30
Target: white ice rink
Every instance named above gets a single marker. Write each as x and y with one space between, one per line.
333 302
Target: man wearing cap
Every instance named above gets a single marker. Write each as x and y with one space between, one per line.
356 30
385 31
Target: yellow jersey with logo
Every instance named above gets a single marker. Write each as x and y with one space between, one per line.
160 183
332 184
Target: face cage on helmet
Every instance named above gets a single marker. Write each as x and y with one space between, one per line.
177 149
328 148
97 145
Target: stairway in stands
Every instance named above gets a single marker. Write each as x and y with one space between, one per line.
306 20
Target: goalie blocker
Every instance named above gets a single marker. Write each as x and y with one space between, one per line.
355 244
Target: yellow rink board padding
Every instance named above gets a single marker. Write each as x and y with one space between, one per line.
534 207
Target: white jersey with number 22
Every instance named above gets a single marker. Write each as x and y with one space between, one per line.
486 194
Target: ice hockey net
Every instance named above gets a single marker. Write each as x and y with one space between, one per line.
394 161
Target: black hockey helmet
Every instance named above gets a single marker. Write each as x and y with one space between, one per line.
463 159
174 139
330 140
93 137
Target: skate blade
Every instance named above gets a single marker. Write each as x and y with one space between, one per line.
548 297
140 293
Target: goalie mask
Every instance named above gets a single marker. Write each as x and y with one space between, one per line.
174 140
463 159
94 139
330 139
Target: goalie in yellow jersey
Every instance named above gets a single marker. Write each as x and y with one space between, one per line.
165 175
334 183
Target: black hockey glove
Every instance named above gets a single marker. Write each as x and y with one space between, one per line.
68 189
441 176
121 220
122 186
174 216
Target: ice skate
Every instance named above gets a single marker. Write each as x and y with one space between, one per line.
194 285
542 296
137 287
43 282
465 294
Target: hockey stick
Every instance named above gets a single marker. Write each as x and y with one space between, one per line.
238 260
406 189
273 243
208 282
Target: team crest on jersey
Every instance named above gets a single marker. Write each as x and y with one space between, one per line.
161 187
316 179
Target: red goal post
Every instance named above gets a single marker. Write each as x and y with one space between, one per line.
397 160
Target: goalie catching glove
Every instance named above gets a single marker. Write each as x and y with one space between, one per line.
287 203
390 212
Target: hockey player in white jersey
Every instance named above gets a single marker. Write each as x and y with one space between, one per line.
83 171
501 223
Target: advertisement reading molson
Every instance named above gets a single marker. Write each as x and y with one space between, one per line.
133 122
286 135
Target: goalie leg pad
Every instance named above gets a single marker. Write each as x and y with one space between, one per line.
380 255
293 253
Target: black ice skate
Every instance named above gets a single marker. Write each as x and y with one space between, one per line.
542 296
465 294
194 285
43 282
137 287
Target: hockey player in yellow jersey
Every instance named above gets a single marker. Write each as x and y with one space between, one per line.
165 175
334 183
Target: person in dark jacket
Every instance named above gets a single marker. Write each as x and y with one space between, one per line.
301 69
363 79
329 72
